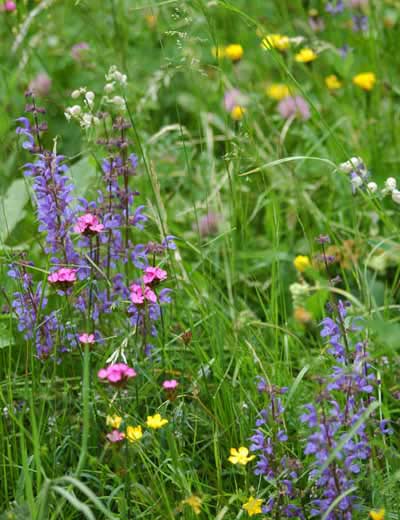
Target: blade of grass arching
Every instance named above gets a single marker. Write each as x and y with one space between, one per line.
337 502
26 472
349 435
86 411
35 439
75 502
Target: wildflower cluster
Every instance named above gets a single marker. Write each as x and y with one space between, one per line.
92 256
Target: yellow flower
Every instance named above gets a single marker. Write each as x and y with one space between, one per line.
237 112
306 55
194 502
234 52
156 421
302 315
275 41
333 82
301 263
365 80
151 20
134 433
240 456
253 506
377 515
218 52
277 91
114 421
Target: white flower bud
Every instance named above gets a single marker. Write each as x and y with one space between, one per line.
396 196
118 100
75 110
75 94
89 96
390 183
372 187
109 87
86 121
351 165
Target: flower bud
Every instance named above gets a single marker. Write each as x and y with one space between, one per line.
372 187
390 183
396 196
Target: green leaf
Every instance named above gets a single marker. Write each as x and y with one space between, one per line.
12 207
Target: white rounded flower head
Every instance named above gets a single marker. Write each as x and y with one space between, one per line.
390 183
396 196
372 187
109 87
89 96
352 164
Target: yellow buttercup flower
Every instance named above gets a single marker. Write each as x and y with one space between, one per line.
240 456
156 421
151 20
237 112
253 506
377 515
277 91
333 82
114 421
134 433
365 80
275 41
301 263
194 502
306 55
234 52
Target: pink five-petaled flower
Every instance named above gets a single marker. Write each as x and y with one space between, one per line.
138 294
63 278
154 275
88 224
115 436
116 374
170 384
86 338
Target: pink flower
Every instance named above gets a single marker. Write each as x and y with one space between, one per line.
78 51
116 374
63 278
154 275
233 98
88 224
40 86
294 106
138 295
209 224
86 338
9 6
115 436
170 384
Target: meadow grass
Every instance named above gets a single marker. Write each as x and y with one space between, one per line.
271 185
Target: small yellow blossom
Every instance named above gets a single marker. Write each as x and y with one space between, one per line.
277 91
301 263
238 112
156 421
377 515
234 52
253 506
240 456
275 41
218 52
365 80
333 82
134 433
114 421
194 502
306 55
